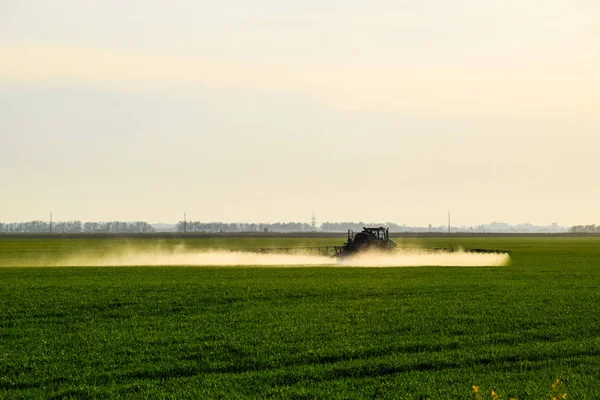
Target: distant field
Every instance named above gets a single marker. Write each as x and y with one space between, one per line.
201 332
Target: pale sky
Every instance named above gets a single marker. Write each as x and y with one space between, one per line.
266 111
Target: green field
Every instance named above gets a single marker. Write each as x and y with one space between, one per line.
200 332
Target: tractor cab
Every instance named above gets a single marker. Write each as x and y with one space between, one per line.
380 233
368 238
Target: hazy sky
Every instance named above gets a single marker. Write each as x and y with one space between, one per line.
270 110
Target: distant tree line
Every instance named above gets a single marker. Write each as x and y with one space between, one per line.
279 227
585 229
398 228
357 227
76 227
282 227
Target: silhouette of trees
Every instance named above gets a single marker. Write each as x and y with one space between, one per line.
585 229
74 227
280 227
77 227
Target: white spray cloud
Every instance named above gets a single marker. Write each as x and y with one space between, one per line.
422 258
183 257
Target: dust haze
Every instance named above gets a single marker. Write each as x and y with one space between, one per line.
185 257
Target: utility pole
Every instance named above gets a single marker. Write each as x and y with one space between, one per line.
184 222
448 221
50 222
314 222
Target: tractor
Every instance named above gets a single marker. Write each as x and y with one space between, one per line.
368 239
377 239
